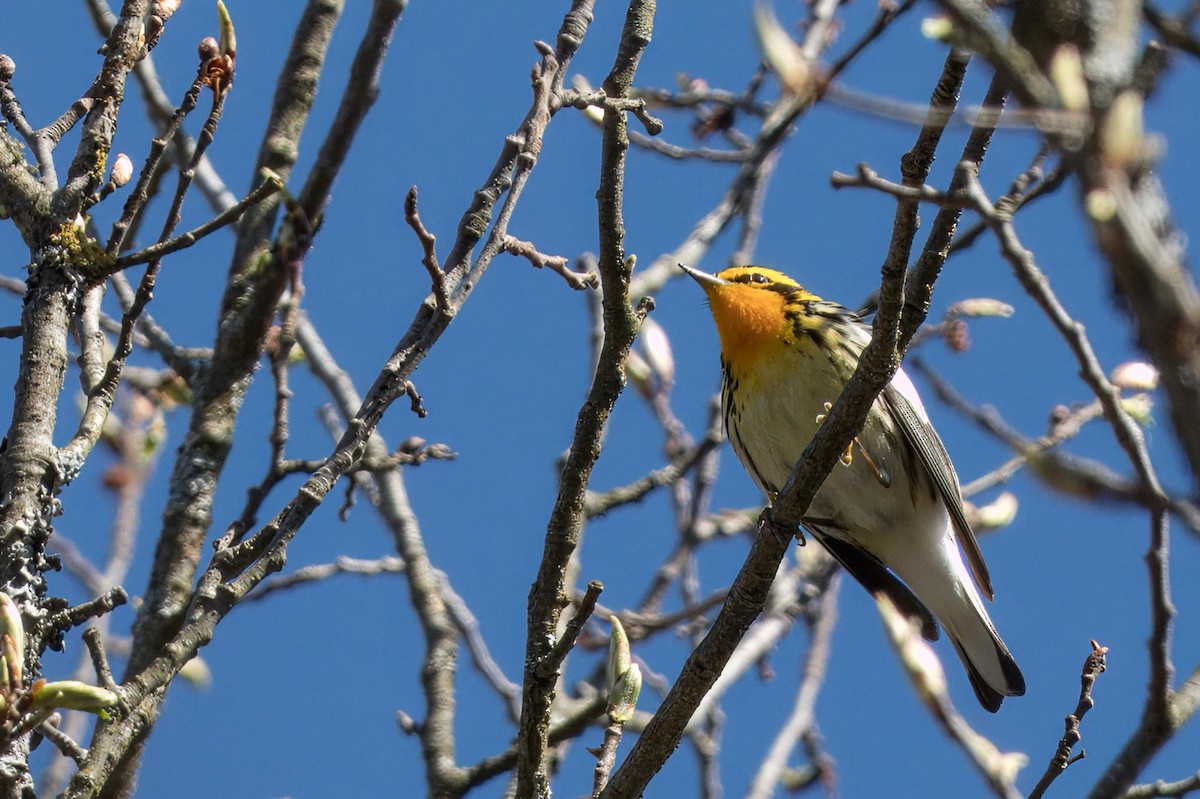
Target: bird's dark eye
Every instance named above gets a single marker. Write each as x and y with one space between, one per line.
760 278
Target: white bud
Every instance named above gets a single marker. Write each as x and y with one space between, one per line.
657 348
980 306
122 170
1121 135
1136 375
165 8
939 28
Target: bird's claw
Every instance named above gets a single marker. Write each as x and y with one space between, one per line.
782 534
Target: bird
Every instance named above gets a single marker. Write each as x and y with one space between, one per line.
891 511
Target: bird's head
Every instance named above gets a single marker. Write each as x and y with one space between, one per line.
749 305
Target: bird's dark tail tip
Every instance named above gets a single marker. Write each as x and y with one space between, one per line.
988 695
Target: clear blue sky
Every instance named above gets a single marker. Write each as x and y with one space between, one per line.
293 712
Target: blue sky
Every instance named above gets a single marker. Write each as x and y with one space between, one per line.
292 713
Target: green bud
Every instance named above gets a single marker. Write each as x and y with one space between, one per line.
72 695
619 657
1121 134
12 626
998 513
623 697
638 372
1101 205
155 435
228 38
1140 407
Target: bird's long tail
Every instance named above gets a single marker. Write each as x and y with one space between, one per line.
958 606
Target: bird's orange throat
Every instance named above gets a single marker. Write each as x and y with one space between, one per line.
750 322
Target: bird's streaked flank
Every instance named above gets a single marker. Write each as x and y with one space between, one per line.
890 512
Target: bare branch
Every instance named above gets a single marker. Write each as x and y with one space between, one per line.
86 611
803 716
555 263
1093 667
229 216
319 572
1162 788
428 242
546 598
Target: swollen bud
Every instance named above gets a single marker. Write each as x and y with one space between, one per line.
122 171
12 626
228 37
979 306
1122 135
638 372
619 656
208 49
623 696
1140 407
939 28
72 695
1066 72
197 672
1135 375
1000 512
657 348
624 676
165 8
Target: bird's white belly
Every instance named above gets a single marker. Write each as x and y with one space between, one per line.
860 501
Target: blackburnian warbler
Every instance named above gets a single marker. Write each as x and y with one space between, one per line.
890 512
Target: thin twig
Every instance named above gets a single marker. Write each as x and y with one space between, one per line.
323 571
86 611
583 612
555 263
802 719
62 741
481 657
1162 788
600 503
266 188
1093 667
95 646
428 245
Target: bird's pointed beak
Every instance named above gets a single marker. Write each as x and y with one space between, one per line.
703 278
